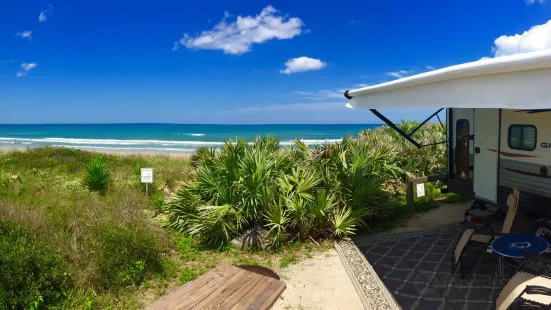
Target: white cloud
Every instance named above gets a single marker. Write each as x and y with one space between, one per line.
316 95
175 46
529 2
328 111
25 34
302 64
430 68
44 14
238 36
332 94
400 74
26 67
361 85
536 38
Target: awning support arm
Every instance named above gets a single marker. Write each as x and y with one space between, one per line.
393 126
408 136
425 121
436 143
438 116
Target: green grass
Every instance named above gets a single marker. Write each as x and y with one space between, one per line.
109 244
111 249
402 215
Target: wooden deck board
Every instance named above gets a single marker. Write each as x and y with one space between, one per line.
233 297
223 288
262 296
269 295
227 290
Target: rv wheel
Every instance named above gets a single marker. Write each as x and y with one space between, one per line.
542 229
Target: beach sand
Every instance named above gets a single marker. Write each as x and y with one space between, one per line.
176 155
323 283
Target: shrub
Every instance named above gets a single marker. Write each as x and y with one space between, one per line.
127 253
31 274
325 191
97 174
288 192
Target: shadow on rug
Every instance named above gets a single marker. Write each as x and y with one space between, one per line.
413 270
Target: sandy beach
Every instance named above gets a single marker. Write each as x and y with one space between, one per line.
180 155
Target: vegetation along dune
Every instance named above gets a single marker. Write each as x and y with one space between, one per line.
77 230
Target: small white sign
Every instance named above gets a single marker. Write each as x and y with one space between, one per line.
421 190
147 175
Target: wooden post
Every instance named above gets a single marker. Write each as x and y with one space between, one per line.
411 180
409 193
146 193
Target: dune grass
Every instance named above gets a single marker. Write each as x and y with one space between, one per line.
96 249
84 223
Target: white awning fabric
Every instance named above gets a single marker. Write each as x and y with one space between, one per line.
520 81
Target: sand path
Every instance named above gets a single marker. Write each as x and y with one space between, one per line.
322 282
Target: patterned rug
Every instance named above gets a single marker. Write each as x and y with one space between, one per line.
413 270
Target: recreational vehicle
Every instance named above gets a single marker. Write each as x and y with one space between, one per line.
498 114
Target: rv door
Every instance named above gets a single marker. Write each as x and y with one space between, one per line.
486 154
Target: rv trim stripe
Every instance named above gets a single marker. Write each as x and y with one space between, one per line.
532 174
507 154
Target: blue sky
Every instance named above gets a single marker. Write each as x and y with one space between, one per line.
65 61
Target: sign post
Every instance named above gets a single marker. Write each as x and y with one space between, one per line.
147 177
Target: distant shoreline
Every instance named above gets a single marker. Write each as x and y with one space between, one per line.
166 139
181 155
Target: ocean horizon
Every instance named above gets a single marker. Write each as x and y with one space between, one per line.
163 137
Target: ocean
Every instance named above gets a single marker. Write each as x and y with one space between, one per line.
164 138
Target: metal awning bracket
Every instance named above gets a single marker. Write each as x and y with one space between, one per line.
406 135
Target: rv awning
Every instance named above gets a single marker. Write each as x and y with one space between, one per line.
512 82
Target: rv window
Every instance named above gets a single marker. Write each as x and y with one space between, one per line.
522 137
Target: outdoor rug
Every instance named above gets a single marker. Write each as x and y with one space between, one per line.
413 270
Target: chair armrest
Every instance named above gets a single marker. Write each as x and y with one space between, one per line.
536 289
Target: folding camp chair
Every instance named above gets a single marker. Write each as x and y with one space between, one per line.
527 290
476 234
485 215
518 295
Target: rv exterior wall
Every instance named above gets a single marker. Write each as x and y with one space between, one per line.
525 169
521 169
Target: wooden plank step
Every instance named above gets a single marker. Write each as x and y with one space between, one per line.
237 293
178 298
223 288
228 289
